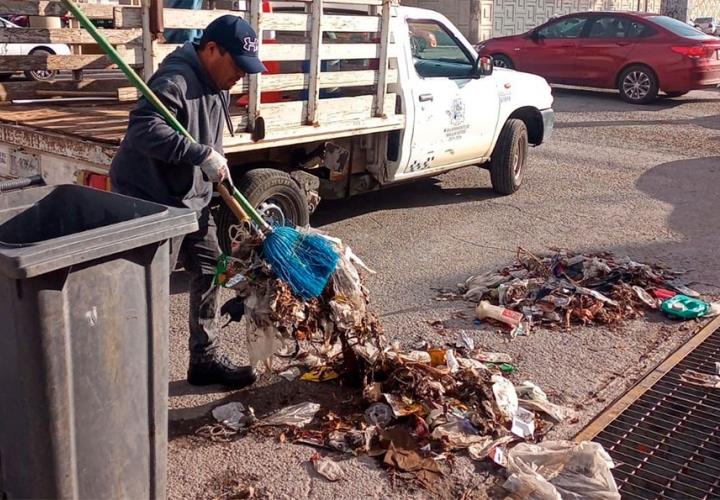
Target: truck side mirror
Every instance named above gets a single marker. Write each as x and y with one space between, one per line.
484 66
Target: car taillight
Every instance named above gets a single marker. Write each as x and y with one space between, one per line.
694 51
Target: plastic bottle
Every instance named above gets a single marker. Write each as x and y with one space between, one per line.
486 310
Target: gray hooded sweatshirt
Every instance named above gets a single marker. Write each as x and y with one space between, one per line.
154 161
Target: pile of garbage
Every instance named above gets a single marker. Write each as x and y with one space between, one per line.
563 288
276 319
417 408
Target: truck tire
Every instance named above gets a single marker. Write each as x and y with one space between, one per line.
41 75
507 163
638 84
272 192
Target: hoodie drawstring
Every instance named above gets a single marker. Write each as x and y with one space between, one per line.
226 110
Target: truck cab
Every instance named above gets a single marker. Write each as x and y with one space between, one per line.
456 106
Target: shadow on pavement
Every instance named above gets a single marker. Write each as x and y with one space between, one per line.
419 193
709 122
598 100
264 398
690 187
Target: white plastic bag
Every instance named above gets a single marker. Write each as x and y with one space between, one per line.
561 470
505 395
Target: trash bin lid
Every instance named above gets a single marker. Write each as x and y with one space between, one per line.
52 227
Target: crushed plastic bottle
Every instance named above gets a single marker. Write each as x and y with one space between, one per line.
685 307
486 310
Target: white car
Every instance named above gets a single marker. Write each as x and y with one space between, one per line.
707 25
24 49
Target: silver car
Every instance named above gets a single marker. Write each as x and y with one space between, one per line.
707 25
24 49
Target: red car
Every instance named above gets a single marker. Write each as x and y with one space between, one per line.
637 53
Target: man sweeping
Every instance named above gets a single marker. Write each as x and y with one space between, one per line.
156 163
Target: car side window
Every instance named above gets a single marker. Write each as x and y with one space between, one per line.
568 27
609 27
637 29
436 52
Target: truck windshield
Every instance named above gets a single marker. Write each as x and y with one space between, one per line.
436 52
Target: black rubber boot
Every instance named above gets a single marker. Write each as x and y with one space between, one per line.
220 370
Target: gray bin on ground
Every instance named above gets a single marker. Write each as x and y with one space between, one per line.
84 305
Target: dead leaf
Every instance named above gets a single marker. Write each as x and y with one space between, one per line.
425 470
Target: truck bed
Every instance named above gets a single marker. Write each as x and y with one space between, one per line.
105 123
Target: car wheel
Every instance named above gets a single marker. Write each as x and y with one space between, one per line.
507 164
41 75
675 94
638 85
502 61
274 194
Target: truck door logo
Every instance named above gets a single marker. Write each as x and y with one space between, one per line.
457 127
457 112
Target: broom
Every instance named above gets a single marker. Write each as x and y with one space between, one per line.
303 260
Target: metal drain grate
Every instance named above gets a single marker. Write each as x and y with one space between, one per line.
664 434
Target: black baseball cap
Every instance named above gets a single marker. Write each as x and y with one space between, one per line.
236 36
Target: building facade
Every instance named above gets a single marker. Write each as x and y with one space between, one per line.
483 19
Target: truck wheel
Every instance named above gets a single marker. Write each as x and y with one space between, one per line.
274 194
507 164
638 85
41 75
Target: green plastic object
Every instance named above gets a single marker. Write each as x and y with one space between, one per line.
685 307
507 368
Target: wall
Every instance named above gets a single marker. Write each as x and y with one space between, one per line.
511 17
704 8
482 19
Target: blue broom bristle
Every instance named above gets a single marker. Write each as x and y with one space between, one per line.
304 261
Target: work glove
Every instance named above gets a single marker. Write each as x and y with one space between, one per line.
215 167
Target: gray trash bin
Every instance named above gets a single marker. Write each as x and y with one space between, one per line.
84 313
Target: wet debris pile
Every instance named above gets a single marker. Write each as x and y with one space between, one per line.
563 288
277 320
414 410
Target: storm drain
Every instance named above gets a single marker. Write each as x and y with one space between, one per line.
664 434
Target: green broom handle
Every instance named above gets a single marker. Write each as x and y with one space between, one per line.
140 84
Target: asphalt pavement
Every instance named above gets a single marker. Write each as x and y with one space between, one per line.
640 181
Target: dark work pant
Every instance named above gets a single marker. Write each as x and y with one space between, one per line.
198 254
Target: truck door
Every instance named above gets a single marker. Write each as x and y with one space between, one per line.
454 113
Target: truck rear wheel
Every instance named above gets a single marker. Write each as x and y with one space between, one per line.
274 194
507 164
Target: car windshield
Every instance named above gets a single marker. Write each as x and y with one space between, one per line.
678 27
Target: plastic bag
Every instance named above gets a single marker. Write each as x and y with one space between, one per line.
505 395
234 415
297 415
263 339
349 306
561 470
